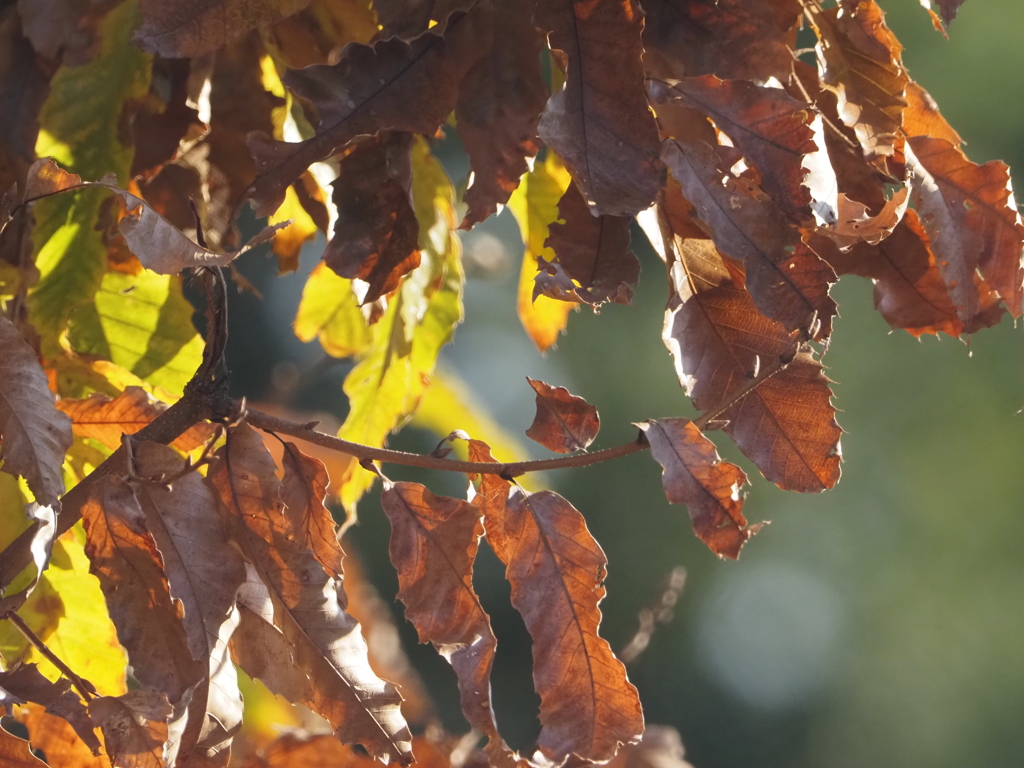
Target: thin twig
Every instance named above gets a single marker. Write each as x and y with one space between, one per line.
40 646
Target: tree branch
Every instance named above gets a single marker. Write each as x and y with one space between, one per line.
53 658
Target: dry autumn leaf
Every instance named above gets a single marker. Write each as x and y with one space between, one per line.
564 423
24 683
135 728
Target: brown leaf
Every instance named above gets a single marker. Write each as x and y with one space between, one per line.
130 568
500 102
599 123
694 475
947 8
14 752
593 251
787 425
105 420
970 214
58 740
491 497
24 683
325 641
24 85
588 708
922 117
434 541
564 423
787 281
734 39
135 727
291 750
855 224
860 60
391 85
376 235
204 571
773 130
303 490
190 28
35 435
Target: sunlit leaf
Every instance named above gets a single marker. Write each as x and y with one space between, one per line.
564 422
24 684
329 311
58 740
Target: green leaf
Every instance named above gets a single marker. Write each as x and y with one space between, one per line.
142 323
81 124
385 388
330 312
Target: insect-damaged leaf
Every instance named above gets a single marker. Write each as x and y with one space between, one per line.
106 420
556 569
325 642
788 282
594 252
434 541
204 572
390 85
694 475
35 435
599 123
564 423
376 234
24 683
190 28
135 727
499 105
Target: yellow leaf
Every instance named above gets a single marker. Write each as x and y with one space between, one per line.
288 242
330 312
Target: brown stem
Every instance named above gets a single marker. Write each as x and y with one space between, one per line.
40 646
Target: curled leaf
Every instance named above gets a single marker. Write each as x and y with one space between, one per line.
564 423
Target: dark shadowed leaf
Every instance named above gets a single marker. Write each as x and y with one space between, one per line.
499 105
22 684
190 28
694 475
947 8
556 570
325 642
599 122
135 727
434 541
787 281
376 234
389 85
36 436
594 252
564 423
23 89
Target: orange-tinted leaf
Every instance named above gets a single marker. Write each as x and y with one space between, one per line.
325 642
855 224
734 39
500 101
788 282
947 8
14 752
190 28
204 572
303 490
22 684
564 423
58 740
320 31
135 727
291 750
130 568
594 252
773 130
376 234
599 122
922 117
389 85
434 541
105 420
694 475
492 497
35 435
556 569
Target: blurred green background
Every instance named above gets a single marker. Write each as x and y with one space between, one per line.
878 624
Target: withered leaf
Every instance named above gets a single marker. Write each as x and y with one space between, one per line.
599 122
204 572
855 224
24 683
694 475
594 252
130 568
15 752
948 8
788 282
564 423
292 750
190 28
134 726
772 129
556 569
970 214
390 85
434 541
491 497
303 490
103 419
57 739
787 425
922 117
734 39
326 643
35 435
500 102
376 234
24 85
